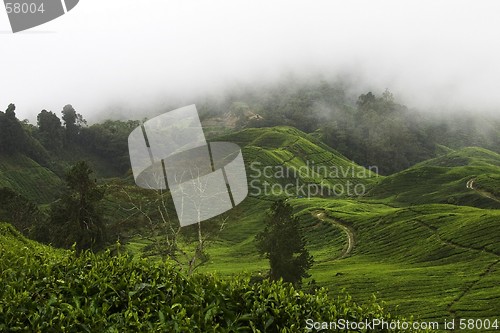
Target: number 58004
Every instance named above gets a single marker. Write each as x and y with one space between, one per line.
24 8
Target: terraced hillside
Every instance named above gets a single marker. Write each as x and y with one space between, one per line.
23 175
435 261
280 156
425 240
431 261
403 241
445 179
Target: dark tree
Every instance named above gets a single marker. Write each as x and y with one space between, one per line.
19 211
49 126
109 140
12 136
365 100
76 214
11 111
283 244
72 121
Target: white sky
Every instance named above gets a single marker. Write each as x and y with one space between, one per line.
136 54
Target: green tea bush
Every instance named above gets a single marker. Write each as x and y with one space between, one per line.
48 290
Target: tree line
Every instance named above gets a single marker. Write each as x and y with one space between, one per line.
372 129
54 137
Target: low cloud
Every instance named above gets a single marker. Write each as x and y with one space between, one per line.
119 57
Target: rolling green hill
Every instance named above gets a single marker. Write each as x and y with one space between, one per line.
280 156
445 180
404 245
435 261
431 261
425 239
37 183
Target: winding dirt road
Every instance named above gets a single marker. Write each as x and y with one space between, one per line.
470 185
346 251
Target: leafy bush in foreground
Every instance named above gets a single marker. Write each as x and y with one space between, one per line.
47 290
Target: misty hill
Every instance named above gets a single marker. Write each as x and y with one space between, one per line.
371 128
446 179
282 156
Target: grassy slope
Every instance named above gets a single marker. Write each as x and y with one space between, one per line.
27 177
444 179
432 260
284 155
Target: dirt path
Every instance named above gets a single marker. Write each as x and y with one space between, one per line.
346 251
486 194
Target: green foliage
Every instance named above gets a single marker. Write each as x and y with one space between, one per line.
76 214
19 211
109 141
283 244
72 122
444 180
44 290
50 129
15 139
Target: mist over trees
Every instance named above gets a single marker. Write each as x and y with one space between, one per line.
372 129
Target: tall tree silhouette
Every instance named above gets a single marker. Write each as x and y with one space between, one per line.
283 244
